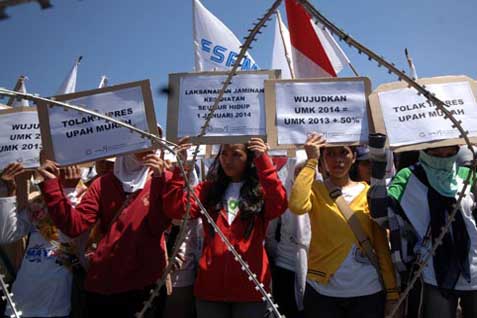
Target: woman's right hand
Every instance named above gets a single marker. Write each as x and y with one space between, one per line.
182 146
313 144
11 171
49 170
8 176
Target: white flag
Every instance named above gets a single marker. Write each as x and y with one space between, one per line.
282 50
21 89
103 82
215 46
69 84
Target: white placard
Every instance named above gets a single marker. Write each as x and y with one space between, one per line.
77 137
240 113
412 119
335 109
20 139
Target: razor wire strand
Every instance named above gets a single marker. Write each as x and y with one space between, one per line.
272 307
8 297
421 90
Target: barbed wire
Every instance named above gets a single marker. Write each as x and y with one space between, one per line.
181 238
421 90
8 297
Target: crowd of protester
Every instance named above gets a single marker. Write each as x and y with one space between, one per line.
335 231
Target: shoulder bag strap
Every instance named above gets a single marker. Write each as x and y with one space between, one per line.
355 226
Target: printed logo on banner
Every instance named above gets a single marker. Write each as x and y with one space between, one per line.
412 119
224 56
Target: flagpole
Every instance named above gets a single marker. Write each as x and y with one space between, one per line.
353 69
412 67
287 54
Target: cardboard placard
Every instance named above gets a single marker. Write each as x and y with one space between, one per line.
71 137
20 139
411 122
336 108
240 115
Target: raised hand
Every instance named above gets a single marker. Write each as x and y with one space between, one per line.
258 146
313 144
49 170
155 163
8 176
70 175
182 146
11 171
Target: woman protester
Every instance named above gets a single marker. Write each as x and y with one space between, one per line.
43 283
242 193
347 276
126 209
415 208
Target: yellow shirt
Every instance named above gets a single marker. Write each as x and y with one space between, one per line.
331 235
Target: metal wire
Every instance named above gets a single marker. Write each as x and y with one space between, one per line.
438 104
272 307
8 297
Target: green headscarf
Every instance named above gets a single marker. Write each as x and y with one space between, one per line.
441 173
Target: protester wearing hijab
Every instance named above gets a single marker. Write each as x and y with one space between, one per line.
126 207
415 209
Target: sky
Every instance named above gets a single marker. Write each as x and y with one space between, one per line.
129 40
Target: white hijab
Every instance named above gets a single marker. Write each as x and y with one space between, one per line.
131 172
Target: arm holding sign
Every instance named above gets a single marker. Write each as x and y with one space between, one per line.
13 225
175 200
8 177
71 221
301 193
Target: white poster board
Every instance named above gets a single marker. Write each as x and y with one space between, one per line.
20 139
76 137
410 119
335 108
240 113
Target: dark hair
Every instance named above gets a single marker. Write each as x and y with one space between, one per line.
352 168
251 194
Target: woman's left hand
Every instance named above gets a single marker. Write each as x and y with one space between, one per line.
155 163
70 176
257 146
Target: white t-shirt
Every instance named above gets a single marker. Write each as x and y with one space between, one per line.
356 276
42 287
232 199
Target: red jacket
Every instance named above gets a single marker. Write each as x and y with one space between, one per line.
130 255
220 277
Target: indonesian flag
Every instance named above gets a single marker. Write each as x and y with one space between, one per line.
215 46
315 52
69 84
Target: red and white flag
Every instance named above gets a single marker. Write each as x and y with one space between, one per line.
314 50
